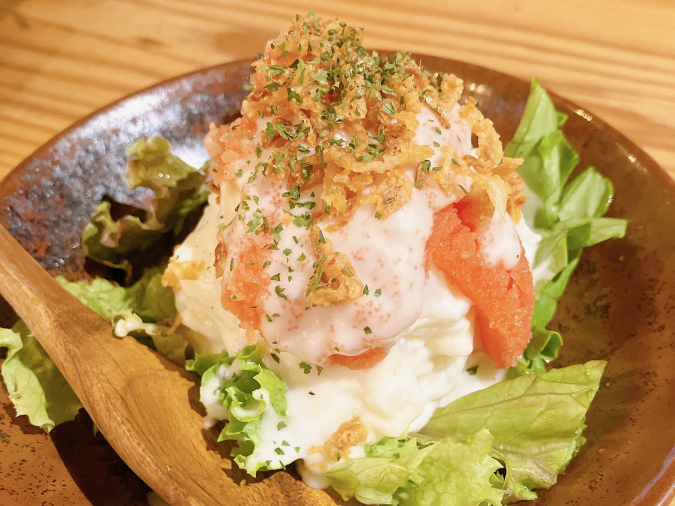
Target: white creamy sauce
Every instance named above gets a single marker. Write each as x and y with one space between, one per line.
459 135
380 259
430 130
541 271
124 326
486 374
500 244
208 394
427 322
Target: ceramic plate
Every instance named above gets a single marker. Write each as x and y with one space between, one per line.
618 306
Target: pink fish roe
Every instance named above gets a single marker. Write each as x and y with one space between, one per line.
504 300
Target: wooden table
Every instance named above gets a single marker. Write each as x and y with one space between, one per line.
62 59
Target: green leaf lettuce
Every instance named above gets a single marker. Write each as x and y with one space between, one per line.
490 447
36 386
568 215
248 390
536 422
178 190
403 471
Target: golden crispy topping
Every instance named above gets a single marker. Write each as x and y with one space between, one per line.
452 87
451 168
489 152
350 207
351 112
451 90
453 165
331 112
325 113
516 198
334 279
489 170
392 193
385 163
338 446
220 259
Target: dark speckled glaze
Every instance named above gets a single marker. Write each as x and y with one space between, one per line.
618 306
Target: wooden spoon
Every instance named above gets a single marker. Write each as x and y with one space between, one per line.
146 406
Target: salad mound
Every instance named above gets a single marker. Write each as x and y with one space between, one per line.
333 138
366 293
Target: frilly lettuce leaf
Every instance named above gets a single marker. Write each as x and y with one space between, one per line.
246 392
536 422
492 446
202 363
250 360
454 473
136 310
100 295
587 196
375 478
403 471
178 190
38 389
570 214
542 348
548 159
569 217
545 343
151 300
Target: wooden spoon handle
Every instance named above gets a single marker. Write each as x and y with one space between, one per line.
48 309
27 287
71 334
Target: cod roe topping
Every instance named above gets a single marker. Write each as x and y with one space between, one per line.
504 298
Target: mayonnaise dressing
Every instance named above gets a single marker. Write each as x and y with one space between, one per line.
381 258
500 244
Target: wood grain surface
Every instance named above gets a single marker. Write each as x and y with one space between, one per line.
62 59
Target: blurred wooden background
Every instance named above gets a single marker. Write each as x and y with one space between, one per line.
62 59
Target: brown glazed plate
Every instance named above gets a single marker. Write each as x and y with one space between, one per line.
619 305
